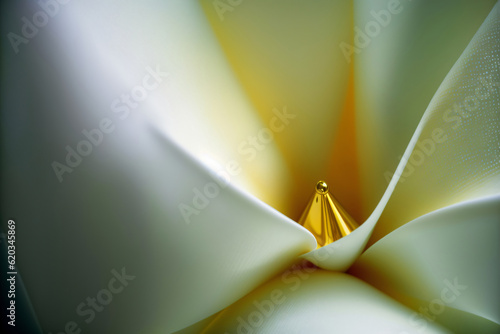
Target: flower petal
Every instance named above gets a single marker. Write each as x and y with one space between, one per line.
455 151
134 205
401 69
317 301
446 262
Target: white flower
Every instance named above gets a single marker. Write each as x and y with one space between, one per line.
178 141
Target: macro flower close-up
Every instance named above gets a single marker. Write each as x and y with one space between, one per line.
250 166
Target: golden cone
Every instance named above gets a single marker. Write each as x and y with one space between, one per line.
325 218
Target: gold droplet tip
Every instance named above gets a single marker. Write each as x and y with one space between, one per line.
322 188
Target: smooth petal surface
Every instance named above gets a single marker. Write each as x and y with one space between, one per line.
398 71
444 264
457 156
317 301
286 53
135 208
443 152
139 202
203 107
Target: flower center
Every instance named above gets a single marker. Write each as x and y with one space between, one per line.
325 217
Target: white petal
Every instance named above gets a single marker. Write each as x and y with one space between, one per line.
119 208
465 165
401 69
317 301
459 245
287 52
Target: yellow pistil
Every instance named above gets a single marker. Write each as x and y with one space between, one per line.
325 218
